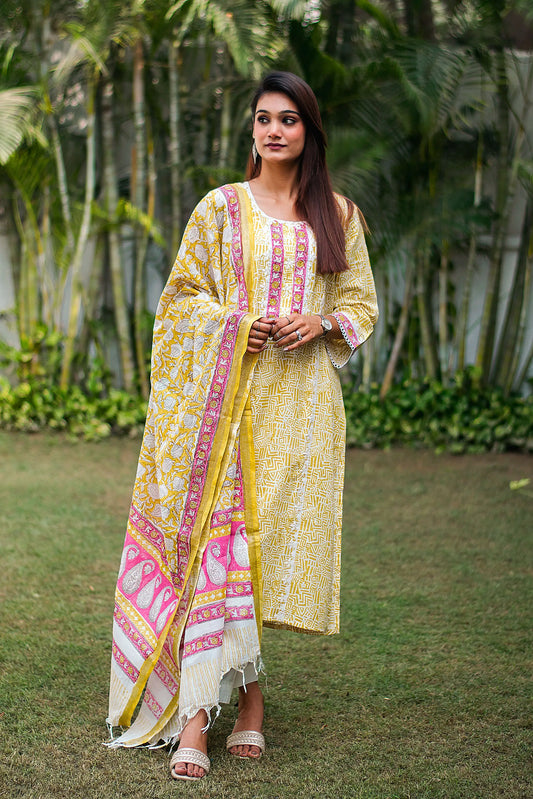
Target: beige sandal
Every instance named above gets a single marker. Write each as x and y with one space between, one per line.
246 738
189 756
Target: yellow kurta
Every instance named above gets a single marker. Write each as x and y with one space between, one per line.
298 419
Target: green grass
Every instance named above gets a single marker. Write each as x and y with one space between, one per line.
424 694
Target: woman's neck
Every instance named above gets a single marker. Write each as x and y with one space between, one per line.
278 183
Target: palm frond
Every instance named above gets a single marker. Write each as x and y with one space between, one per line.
17 112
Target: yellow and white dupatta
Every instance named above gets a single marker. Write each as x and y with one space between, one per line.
188 597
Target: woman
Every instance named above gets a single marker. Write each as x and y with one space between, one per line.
236 515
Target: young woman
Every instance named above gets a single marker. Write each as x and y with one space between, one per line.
235 521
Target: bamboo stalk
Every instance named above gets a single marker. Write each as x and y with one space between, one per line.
443 311
510 344
115 261
425 316
174 62
401 330
141 235
76 296
460 338
490 307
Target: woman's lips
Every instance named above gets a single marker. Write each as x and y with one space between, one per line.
275 146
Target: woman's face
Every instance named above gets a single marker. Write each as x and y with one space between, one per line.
279 131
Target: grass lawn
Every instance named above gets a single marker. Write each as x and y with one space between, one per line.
424 694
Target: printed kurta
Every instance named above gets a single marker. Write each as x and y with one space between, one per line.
236 509
298 419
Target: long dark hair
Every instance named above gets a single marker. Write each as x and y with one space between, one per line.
315 201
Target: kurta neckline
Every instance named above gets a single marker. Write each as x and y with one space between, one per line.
260 211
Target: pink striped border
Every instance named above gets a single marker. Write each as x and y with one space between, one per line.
132 633
207 613
151 702
205 443
203 643
300 268
240 614
232 199
276 269
347 330
147 529
239 589
124 664
166 678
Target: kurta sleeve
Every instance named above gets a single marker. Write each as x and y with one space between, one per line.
355 302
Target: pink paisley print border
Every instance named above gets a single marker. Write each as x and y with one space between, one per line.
131 672
132 634
207 613
300 268
151 702
220 611
243 613
166 678
203 643
239 589
276 269
234 210
347 330
205 442
147 529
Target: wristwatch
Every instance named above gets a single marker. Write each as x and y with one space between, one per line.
326 324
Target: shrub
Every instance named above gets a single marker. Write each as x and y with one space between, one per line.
461 417
33 405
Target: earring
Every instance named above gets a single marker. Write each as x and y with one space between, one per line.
254 152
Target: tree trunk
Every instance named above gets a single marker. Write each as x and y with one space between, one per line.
76 288
418 15
49 302
516 378
443 312
490 308
368 363
460 338
115 261
94 289
28 296
139 193
174 63
226 127
62 186
508 354
390 369
423 298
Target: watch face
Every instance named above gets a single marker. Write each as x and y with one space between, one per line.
326 324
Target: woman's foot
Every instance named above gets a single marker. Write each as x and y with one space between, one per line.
192 737
251 710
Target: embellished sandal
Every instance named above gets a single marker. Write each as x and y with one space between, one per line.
246 738
189 756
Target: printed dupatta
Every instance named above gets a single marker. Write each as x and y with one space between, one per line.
188 597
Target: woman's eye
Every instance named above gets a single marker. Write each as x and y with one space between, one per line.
262 119
289 121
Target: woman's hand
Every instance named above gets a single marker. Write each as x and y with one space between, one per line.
260 332
295 330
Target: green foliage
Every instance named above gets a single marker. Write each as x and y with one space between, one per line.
459 418
31 406
463 417
32 399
